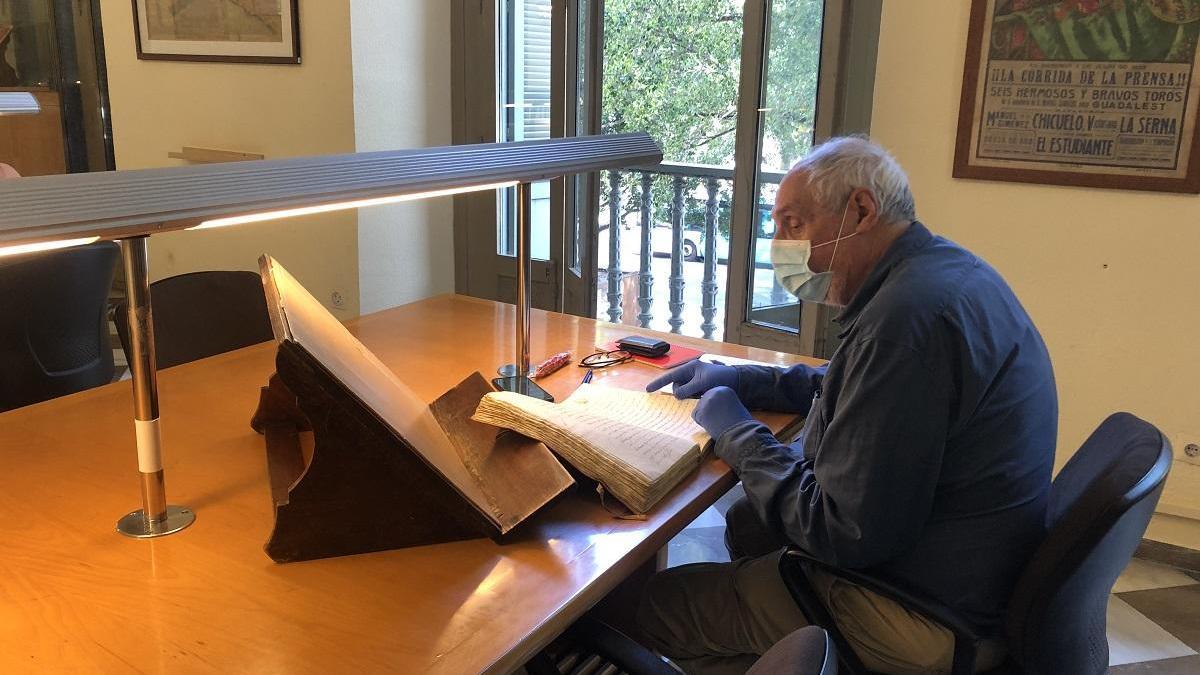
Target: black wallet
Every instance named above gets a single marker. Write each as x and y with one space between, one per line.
643 346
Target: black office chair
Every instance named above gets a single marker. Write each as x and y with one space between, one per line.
202 314
53 323
807 651
1100 505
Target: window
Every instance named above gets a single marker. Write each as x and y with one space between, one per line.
524 110
787 125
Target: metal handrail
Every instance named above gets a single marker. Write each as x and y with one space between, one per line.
676 283
702 171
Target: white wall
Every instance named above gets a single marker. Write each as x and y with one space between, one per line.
401 52
375 76
1108 275
276 110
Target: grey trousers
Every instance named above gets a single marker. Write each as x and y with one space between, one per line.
718 618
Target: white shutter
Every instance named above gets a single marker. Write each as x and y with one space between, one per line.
536 72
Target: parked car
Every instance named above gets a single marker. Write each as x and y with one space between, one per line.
693 246
762 248
661 240
693 241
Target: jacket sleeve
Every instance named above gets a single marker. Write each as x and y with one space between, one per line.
782 389
863 494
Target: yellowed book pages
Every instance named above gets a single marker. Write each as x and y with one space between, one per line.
639 445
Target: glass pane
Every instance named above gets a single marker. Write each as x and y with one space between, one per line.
786 121
670 69
26 44
524 110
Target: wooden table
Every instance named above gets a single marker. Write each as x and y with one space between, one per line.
75 595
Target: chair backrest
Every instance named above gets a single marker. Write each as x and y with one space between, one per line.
1100 505
805 651
54 324
202 314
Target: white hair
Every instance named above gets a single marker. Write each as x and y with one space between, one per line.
841 165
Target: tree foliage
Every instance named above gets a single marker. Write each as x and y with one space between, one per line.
793 69
671 68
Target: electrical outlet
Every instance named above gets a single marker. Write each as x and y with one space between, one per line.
338 300
1191 453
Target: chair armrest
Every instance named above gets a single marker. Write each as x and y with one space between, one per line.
929 607
966 637
815 611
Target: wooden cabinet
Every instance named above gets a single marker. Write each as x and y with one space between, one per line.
33 144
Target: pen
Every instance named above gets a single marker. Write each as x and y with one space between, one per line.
587 377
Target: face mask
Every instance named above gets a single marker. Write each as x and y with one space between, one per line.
790 258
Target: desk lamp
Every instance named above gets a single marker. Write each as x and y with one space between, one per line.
49 212
18 103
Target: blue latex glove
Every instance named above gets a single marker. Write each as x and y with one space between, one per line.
719 409
696 377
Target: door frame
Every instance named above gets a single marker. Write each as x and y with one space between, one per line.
580 194
479 269
77 77
845 89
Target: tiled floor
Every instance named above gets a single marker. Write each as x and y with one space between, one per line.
1153 614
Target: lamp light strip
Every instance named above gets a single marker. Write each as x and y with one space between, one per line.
340 206
45 246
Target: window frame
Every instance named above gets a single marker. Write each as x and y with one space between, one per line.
849 45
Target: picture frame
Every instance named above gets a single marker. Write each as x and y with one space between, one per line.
222 31
1096 94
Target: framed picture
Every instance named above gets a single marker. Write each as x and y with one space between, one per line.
1098 93
240 31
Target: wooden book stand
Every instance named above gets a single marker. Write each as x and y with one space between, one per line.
366 488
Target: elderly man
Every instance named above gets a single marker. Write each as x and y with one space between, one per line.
927 450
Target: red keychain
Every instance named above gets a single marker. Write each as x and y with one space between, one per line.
551 364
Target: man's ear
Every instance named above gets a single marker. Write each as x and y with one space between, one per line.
865 209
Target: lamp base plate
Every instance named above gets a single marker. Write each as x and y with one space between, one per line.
134 524
522 385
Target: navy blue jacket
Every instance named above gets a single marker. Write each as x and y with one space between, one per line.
927 452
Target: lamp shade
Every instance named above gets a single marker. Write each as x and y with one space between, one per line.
120 204
18 103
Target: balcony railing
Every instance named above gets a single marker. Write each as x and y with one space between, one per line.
631 198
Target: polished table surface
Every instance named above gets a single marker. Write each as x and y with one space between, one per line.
75 595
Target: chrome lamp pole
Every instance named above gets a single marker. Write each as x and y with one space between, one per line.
155 518
515 376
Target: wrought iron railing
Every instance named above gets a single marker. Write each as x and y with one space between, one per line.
636 198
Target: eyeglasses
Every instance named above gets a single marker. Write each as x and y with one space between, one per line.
604 359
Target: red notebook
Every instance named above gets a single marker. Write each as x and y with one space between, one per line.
676 356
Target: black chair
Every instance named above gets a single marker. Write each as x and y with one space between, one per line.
1100 505
202 314
807 651
53 323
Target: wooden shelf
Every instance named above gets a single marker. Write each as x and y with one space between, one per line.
212 156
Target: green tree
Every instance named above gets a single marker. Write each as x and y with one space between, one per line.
671 68
791 93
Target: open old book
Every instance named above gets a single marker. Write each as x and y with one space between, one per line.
638 445
459 469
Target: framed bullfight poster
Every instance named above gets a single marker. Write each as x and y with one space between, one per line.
1098 93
